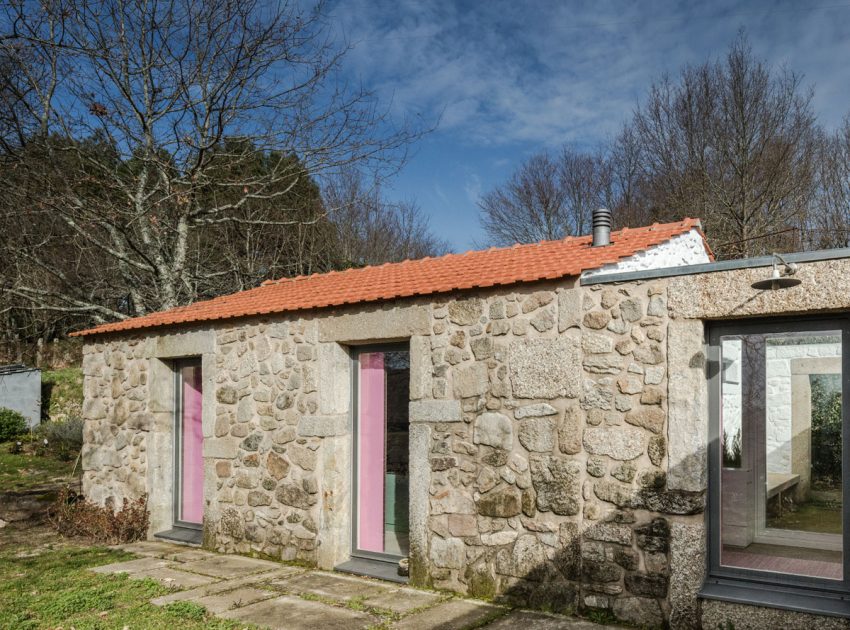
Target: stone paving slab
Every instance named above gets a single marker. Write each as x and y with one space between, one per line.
293 613
402 600
237 598
540 621
226 585
455 614
222 566
134 566
344 588
286 597
188 555
174 578
153 548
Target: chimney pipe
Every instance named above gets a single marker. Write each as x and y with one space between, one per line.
602 221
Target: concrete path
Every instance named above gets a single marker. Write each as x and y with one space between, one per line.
285 597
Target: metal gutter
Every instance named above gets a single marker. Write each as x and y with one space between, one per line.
723 265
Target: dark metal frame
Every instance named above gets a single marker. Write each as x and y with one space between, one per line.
177 441
356 351
747 586
722 265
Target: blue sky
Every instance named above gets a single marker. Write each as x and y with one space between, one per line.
510 78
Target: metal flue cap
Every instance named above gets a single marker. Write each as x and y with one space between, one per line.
602 221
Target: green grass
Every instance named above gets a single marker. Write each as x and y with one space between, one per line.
54 589
24 471
62 393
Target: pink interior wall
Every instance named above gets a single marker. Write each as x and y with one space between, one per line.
371 465
192 482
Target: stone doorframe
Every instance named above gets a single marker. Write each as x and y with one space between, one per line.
162 350
388 323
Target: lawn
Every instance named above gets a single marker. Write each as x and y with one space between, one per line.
53 590
25 471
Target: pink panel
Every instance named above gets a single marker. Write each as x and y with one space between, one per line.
192 482
371 440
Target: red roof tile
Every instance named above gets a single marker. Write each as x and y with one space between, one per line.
547 260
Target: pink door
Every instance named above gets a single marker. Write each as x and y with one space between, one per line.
190 441
382 452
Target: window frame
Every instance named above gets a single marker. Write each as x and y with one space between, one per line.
177 442
748 586
355 352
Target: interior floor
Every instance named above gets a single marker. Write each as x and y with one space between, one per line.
784 559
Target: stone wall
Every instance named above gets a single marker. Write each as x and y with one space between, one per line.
550 488
267 491
537 439
117 420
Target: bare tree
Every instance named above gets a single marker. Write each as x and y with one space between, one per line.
370 230
627 183
830 219
548 197
146 138
732 143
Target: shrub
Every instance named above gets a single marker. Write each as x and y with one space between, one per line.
12 424
73 515
64 438
826 428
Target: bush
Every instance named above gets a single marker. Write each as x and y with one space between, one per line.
826 428
12 424
73 515
64 438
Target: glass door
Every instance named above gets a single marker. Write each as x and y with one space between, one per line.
381 448
781 450
188 445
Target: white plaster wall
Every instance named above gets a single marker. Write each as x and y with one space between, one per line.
731 390
685 249
778 433
778 428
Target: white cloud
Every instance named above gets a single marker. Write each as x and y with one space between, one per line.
546 73
472 188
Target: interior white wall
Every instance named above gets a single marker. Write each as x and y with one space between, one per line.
778 430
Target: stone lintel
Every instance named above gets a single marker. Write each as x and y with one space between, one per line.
184 344
435 411
381 324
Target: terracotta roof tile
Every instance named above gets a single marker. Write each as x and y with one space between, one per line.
546 260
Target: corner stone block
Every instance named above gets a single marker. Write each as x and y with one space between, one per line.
687 407
334 378
323 426
420 367
687 570
435 411
420 482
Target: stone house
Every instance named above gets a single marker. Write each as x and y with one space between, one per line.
575 424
